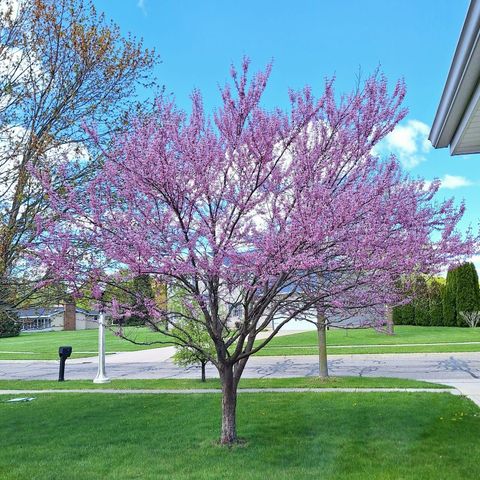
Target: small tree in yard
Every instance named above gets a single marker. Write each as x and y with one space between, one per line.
197 348
244 211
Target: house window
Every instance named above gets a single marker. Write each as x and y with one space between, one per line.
39 323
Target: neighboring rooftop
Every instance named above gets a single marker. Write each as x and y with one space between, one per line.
457 121
48 312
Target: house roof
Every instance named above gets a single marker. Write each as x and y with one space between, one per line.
49 312
457 121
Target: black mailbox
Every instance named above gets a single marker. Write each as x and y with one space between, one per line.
63 353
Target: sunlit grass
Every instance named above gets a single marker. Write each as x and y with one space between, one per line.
44 345
288 436
166 383
407 339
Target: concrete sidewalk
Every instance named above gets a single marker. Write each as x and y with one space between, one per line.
152 355
469 388
193 391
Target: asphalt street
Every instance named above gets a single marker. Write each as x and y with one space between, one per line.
421 366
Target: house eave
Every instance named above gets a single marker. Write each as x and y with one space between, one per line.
461 82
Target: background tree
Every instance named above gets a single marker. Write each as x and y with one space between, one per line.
435 300
131 291
61 65
468 291
397 313
246 210
10 325
141 290
449 299
409 313
404 314
420 301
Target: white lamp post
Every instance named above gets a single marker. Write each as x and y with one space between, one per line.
101 376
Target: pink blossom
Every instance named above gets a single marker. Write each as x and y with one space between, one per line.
275 212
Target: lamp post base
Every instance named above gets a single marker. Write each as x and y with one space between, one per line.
101 379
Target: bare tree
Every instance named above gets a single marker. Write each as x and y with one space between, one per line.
472 319
62 65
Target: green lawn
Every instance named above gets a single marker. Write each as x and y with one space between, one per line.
343 341
44 345
289 436
301 382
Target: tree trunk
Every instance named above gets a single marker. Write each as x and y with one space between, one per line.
204 378
322 345
229 406
390 326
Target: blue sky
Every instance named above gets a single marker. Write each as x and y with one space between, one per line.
309 40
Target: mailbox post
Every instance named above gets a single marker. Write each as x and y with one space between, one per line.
101 375
63 353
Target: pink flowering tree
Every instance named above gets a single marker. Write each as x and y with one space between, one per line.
251 214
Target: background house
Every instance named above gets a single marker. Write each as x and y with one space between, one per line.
63 317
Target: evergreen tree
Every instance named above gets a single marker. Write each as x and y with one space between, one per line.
420 302
436 292
398 315
409 314
449 299
467 291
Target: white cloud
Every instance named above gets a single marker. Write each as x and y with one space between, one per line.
455 181
452 181
141 4
409 142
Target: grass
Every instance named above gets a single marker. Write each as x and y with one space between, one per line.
289 436
405 340
300 382
44 345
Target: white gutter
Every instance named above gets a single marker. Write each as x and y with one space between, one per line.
461 82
